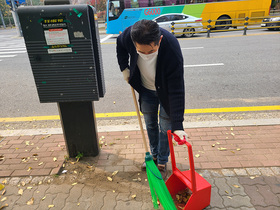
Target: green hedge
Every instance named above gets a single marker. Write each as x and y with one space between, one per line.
7 22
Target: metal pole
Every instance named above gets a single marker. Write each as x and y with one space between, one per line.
16 19
3 21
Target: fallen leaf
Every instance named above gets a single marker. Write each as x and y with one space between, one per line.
133 196
238 149
231 129
43 198
226 192
114 173
20 191
54 159
126 137
29 168
236 186
23 183
109 178
3 199
50 206
213 145
114 102
75 172
30 202
232 134
5 205
40 163
78 204
252 177
114 191
29 188
3 192
197 155
27 143
222 148
229 197
4 181
74 183
2 186
218 143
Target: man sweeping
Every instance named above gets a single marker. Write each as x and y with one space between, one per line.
151 61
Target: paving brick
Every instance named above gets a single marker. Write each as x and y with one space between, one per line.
266 171
98 199
256 198
210 165
250 163
49 198
230 164
216 200
39 193
276 170
123 205
6 173
59 202
40 172
236 187
251 182
20 173
222 186
75 193
110 196
228 172
240 172
269 197
273 183
131 168
236 201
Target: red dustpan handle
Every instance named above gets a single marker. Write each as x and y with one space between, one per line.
174 168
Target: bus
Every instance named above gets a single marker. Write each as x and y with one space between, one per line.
121 14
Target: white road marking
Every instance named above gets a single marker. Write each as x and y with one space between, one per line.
7 56
202 65
107 37
13 52
192 48
9 49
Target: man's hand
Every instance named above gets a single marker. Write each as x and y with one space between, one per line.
182 134
126 74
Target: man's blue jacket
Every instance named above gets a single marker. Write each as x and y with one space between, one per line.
169 81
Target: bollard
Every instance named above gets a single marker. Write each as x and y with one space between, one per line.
245 26
208 28
172 28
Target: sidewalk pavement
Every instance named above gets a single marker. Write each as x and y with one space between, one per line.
242 163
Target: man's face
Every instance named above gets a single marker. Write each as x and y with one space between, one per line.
147 49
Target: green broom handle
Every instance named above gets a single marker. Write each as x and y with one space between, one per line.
139 119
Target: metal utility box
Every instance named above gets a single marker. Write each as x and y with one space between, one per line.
64 50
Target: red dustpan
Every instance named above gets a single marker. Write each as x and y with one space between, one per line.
178 181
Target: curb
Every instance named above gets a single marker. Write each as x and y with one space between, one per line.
204 124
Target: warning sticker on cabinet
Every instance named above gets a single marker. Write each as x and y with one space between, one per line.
56 36
60 50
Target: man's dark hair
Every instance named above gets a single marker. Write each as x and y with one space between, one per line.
145 32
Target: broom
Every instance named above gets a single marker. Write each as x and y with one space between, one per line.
157 184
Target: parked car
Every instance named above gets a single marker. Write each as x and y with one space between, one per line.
269 22
164 21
